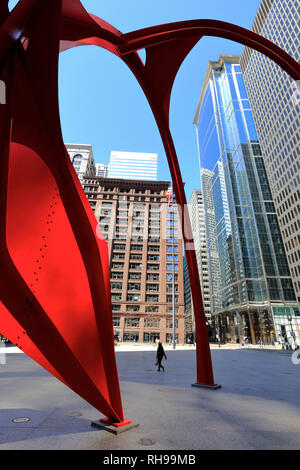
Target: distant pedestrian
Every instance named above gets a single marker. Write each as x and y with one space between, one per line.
246 343
261 344
159 357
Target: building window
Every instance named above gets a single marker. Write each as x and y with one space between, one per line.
116 321
152 277
151 322
175 240
116 297
169 287
116 308
151 309
169 298
153 267
169 323
151 298
134 256
137 266
288 289
119 246
153 257
116 286
170 309
118 255
117 265
169 338
169 257
137 247
169 277
77 158
134 276
154 248
130 336
171 248
134 286
151 337
116 275
133 297
170 267
132 308
132 322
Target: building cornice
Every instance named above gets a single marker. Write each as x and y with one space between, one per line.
212 65
128 183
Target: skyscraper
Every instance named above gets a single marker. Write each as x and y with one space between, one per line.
196 211
188 305
145 251
133 165
209 215
276 110
81 156
256 291
101 170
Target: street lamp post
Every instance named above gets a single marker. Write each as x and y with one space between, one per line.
289 317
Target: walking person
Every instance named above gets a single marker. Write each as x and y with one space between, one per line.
159 357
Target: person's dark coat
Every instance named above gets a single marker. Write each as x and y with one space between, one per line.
160 353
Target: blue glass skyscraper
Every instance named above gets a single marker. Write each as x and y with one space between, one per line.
253 269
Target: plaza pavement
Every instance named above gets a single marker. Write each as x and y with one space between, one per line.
258 406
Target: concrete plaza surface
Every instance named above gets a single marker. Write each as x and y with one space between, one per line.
258 406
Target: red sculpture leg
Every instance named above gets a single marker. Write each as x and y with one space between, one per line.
54 270
158 92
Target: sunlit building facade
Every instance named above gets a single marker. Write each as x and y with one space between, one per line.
254 275
275 103
81 156
133 165
146 257
196 212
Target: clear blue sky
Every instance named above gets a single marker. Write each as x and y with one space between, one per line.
101 103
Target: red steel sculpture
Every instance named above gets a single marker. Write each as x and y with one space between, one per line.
55 282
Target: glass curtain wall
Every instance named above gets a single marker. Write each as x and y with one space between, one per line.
253 264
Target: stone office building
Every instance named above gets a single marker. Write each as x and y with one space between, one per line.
145 251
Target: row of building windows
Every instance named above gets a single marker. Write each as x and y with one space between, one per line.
140 207
137 298
152 337
138 276
139 266
148 308
131 191
136 286
294 257
130 198
139 256
148 322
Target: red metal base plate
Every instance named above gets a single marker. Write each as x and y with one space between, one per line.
114 423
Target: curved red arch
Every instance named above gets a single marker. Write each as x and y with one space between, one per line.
166 47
